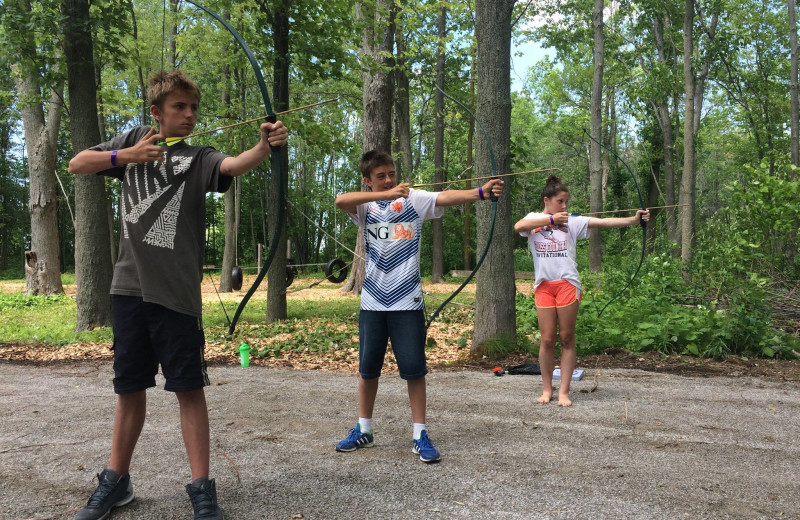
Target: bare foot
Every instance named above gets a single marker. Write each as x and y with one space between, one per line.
545 397
564 400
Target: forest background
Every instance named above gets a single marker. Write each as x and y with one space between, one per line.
699 99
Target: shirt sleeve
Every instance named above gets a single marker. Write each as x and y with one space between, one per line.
579 226
360 216
125 140
530 216
211 159
424 203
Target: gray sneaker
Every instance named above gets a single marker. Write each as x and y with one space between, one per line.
112 491
203 494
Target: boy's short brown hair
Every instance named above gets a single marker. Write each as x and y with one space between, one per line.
373 159
162 83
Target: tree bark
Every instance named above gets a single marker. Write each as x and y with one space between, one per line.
495 316
229 199
140 74
437 273
687 195
668 140
93 268
596 115
42 265
402 111
276 275
377 42
795 111
467 238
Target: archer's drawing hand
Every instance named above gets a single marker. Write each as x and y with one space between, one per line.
561 217
274 134
398 192
147 149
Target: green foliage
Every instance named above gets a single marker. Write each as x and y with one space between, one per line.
664 314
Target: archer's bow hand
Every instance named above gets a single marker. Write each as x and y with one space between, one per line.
642 215
494 186
274 135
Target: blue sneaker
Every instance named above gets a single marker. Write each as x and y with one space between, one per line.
424 448
354 440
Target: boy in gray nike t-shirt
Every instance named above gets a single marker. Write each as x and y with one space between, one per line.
155 292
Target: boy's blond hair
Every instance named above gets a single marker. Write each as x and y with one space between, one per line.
161 84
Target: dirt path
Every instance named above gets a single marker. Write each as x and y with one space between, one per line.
643 445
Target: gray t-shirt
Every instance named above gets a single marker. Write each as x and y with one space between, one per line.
162 229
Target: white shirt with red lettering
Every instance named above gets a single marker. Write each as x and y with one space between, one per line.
554 249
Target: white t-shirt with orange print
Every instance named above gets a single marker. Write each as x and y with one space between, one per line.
554 249
392 233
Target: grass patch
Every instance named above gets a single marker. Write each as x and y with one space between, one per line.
43 319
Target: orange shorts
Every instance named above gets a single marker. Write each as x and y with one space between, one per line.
556 294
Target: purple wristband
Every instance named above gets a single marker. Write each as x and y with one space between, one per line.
113 157
480 192
552 222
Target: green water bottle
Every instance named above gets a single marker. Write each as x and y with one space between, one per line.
244 354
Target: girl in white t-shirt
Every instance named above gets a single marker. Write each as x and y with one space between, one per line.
552 236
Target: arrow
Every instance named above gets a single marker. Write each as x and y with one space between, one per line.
169 141
625 210
483 178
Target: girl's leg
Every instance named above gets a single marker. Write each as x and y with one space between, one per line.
567 317
547 328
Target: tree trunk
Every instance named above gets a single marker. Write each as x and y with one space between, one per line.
377 42
140 73
437 273
276 275
495 316
93 268
596 113
229 199
173 41
42 262
467 236
402 112
795 111
101 125
668 140
687 194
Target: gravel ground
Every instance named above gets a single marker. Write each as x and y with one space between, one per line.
643 445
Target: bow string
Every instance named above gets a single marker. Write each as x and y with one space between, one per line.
492 197
270 117
642 223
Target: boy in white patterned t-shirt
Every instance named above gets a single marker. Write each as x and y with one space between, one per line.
392 306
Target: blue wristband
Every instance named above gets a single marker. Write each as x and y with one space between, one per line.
552 222
480 192
114 157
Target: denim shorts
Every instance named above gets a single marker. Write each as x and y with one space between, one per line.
146 335
406 329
